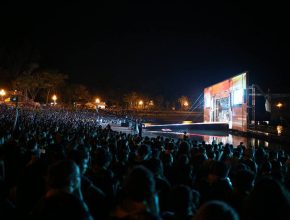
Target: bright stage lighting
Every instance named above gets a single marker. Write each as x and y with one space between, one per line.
226 102
238 97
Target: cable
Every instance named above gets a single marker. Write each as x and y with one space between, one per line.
197 100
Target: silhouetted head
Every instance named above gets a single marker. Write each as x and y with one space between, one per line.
244 180
81 157
64 175
182 200
139 185
268 200
216 210
102 157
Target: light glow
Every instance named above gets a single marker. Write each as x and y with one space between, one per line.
226 102
2 92
54 98
238 96
279 105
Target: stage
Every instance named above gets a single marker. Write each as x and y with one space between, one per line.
209 126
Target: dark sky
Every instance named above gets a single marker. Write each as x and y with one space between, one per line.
156 48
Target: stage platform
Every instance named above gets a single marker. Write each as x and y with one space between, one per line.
211 126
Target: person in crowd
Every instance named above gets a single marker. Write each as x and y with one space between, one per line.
182 204
94 197
243 184
101 178
139 197
218 185
268 200
216 210
162 184
140 127
64 199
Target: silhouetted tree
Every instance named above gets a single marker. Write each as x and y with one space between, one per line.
34 79
184 102
80 93
131 99
51 81
29 82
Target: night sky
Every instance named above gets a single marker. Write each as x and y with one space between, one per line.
153 48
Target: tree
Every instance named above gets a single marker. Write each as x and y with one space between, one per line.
80 93
29 82
5 77
51 81
167 104
159 102
33 80
131 99
184 102
75 93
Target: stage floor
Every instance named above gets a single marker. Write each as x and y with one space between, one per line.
209 126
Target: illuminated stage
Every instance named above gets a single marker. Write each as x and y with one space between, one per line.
225 107
208 132
227 102
227 117
209 126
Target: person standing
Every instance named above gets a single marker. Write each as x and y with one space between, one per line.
136 127
139 124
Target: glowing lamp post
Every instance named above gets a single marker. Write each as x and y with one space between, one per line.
140 103
98 101
2 94
185 105
279 105
151 103
54 98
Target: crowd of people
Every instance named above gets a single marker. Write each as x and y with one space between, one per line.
63 164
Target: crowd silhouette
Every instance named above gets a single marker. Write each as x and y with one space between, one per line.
62 164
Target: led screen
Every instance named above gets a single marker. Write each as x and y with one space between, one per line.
238 96
227 102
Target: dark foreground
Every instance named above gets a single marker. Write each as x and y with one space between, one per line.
63 164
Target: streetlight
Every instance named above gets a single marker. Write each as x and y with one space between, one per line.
2 93
140 103
98 101
54 98
185 105
279 129
279 105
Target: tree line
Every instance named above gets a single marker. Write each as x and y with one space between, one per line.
39 84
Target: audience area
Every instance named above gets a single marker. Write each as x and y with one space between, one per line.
65 164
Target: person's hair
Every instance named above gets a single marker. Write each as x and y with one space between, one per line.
78 155
182 199
139 185
101 157
61 173
216 210
184 148
144 150
155 166
268 200
220 169
211 154
243 180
